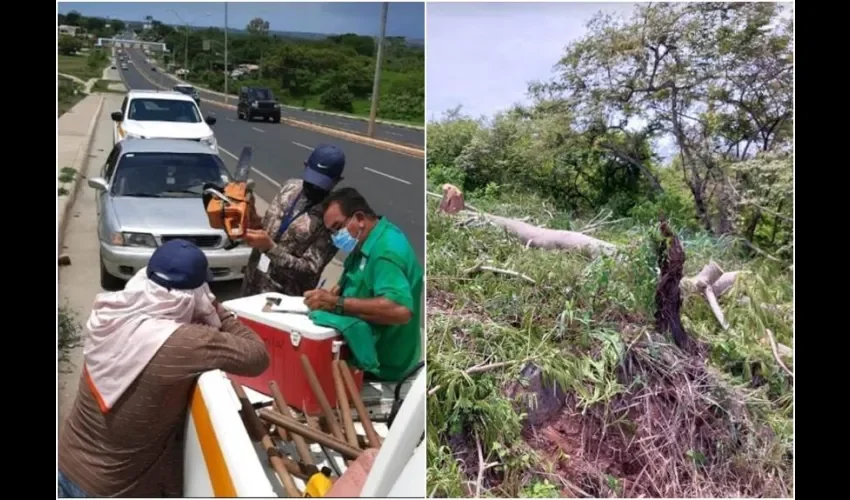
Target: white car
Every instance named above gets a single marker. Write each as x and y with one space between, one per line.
148 114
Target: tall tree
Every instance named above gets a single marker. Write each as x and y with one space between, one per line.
258 26
715 77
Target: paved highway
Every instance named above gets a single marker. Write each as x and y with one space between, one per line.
399 135
393 183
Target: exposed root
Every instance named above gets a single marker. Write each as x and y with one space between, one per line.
681 432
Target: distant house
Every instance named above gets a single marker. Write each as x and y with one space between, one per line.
65 29
147 26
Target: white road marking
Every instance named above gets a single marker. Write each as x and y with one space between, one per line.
302 145
387 175
230 119
259 129
258 172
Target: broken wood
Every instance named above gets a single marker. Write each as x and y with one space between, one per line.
775 349
552 239
481 369
534 236
477 268
452 200
712 282
668 292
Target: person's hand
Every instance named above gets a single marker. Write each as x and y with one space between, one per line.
259 239
320 299
220 309
335 290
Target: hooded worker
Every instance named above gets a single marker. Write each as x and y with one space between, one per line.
291 244
145 348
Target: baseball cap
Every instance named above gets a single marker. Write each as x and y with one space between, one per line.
179 265
324 166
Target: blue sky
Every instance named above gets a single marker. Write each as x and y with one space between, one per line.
403 19
482 55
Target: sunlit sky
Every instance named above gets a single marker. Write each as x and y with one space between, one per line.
403 19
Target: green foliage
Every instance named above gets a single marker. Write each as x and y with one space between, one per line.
520 151
577 323
69 45
335 73
338 99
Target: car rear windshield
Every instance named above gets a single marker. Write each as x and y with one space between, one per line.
262 94
185 90
163 110
154 175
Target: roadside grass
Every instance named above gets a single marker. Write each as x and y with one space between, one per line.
641 417
66 176
83 66
70 93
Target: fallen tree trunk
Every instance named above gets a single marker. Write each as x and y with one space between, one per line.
452 202
552 239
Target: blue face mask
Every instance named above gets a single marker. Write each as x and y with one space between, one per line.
343 240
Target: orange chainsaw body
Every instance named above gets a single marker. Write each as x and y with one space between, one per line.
234 217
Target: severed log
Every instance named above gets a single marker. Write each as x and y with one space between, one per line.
531 236
452 200
552 239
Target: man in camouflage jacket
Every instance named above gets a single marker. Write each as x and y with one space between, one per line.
291 244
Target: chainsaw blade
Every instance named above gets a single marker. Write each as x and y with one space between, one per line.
243 166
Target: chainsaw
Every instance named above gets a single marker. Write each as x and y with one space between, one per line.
230 207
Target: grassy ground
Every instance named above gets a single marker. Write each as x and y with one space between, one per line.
70 93
78 65
640 417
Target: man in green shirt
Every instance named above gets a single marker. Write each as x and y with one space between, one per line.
381 283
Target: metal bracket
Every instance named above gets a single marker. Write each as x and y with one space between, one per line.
336 347
295 338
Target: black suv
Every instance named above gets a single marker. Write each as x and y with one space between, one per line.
257 102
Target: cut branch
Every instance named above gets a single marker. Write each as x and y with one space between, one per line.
477 268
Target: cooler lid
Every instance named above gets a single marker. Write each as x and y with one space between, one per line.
252 308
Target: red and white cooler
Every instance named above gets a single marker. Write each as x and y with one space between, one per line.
288 335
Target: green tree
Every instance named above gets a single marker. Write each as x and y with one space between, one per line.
258 26
69 45
338 99
717 78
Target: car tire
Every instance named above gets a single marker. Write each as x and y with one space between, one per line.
248 116
276 118
108 282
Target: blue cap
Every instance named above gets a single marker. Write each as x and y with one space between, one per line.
324 166
179 265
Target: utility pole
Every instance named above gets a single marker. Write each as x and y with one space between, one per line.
186 51
226 95
376 85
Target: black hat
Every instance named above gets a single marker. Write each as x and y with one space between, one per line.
324 166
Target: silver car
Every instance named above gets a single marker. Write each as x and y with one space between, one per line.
149 192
